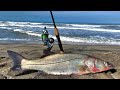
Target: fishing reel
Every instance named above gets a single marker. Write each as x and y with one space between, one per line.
51 40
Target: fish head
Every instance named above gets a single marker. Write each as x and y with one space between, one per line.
105 66
98 65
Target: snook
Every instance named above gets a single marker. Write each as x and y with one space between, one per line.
61 64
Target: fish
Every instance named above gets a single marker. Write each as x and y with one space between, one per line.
60 64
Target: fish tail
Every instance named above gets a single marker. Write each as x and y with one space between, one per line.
16 60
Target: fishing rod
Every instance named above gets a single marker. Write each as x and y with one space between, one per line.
56 32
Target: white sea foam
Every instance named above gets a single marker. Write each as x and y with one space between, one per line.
19 30
1 24
95 39
84 25
66 26
73 28
27 32
102 40
14 39
5 28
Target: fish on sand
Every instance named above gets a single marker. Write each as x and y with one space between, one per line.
60 64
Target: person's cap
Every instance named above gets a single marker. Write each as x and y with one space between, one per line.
44 27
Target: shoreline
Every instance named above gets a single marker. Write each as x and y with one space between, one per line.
63 42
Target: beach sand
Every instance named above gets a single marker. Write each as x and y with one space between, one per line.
110 53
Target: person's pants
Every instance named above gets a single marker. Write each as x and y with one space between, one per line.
47 44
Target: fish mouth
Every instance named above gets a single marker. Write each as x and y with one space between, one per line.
110 65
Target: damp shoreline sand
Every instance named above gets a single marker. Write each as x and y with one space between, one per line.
109 53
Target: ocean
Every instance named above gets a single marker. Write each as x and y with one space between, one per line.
28 29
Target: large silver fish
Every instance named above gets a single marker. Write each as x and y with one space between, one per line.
61 64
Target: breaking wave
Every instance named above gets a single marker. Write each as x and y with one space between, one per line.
79 33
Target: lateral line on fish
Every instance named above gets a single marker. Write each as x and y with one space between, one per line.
54 63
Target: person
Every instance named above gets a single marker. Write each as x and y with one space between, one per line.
48 42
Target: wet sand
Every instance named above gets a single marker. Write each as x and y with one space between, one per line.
110 53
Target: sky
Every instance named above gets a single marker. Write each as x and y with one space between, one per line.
73 13
72 16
